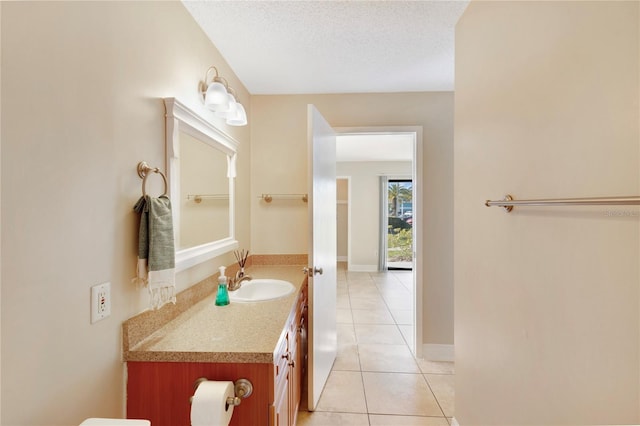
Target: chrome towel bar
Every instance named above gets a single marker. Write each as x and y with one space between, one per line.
508 203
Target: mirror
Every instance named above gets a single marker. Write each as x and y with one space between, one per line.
204 189
201 171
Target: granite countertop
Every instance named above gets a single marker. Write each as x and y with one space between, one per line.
237 333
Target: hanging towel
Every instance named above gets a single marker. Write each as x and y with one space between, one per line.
156 250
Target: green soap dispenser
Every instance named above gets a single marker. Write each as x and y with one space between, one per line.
222 298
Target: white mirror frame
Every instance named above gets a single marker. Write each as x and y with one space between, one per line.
180 118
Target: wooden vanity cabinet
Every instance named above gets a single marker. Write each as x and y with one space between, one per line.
160 391
290 365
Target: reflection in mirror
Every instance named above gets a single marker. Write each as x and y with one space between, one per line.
204 189
201 171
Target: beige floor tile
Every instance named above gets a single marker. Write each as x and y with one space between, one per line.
365 292
380 351
403 316
358 276
383 420
342 301
388 279
407 333
442 386
344 316
390 286
343 393
346 334
393 290
399 393
347 358
355 285
406 277
319 418
368 303
399 301
382 276
409 287
372 316
378 333
387 358
436 367
368 282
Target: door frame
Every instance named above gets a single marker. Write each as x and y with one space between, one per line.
397 177
417 174
348 179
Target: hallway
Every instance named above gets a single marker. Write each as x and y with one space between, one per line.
375 379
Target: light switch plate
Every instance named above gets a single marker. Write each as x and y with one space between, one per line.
100 301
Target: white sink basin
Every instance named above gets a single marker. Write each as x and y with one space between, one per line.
261 289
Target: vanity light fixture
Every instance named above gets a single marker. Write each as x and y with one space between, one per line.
221 99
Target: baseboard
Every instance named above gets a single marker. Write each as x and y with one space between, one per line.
454 422
363 268
433 352
342 258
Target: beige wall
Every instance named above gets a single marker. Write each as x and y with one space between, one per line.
365 207
547 299
279 164
82 84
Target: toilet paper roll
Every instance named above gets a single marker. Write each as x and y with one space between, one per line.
209 405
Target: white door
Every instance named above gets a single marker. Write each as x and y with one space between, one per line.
323 341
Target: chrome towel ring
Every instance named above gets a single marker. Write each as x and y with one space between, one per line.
144 170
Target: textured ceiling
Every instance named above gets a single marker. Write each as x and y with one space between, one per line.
287 47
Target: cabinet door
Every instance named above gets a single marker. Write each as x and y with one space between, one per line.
283 414
297 368
298 355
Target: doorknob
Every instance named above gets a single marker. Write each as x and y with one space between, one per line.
314 269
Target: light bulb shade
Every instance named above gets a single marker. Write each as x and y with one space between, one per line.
240 117
231 110
216 98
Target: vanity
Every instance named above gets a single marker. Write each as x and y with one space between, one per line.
264 342
168 350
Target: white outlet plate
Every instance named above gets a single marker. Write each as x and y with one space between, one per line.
100 301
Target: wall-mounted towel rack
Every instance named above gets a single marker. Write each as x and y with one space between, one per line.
197 198
508 203
270 197
144 170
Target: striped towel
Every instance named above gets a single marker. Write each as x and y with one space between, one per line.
156 249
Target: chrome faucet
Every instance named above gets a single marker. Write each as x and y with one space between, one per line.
235 283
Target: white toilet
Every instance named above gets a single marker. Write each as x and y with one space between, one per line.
115 422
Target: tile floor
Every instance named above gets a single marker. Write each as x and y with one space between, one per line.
375 379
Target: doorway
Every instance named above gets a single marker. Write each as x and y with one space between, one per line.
369 160
399 212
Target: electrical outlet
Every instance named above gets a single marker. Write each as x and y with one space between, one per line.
100 302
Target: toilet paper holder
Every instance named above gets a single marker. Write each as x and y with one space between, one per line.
242 388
